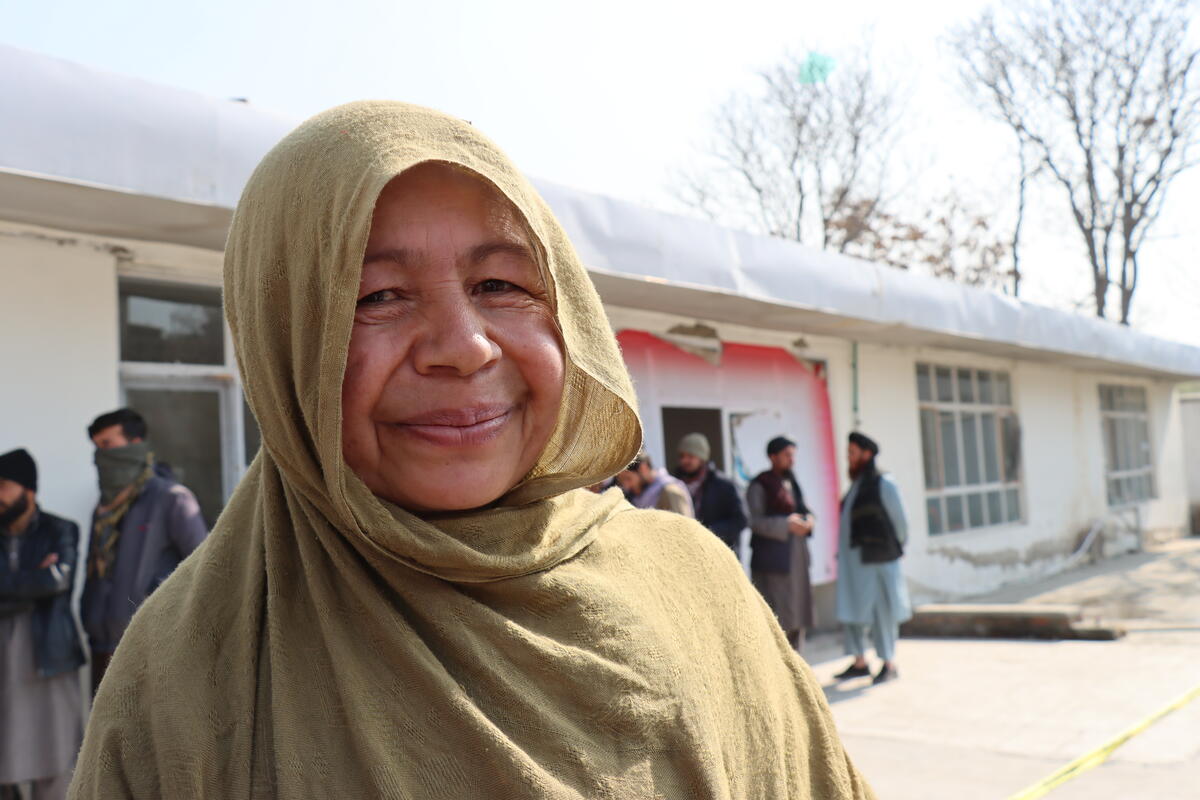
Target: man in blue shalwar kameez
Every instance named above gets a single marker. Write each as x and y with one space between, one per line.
871 594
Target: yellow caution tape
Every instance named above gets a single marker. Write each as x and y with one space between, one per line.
1101 753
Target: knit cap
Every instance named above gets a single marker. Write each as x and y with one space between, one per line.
695 444
17 466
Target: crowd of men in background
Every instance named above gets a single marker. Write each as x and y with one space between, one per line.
871 595
144 525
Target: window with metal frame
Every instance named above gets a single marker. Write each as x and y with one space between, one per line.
177 370
1125 424
971 448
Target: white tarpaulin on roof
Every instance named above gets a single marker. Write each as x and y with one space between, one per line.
89 151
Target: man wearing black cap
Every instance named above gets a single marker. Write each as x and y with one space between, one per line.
871 593
780 524
41 708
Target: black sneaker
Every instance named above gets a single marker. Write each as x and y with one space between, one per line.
853 672
885 674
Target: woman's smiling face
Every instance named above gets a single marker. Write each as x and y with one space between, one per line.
454 374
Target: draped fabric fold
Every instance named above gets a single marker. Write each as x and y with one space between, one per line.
324 643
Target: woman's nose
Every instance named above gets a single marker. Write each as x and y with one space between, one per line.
454 338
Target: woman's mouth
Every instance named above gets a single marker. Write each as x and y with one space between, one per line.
457 427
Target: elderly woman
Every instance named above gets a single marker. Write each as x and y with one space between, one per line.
410 595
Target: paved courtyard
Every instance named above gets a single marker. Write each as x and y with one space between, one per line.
973 718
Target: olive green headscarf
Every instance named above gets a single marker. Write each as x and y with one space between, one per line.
322 643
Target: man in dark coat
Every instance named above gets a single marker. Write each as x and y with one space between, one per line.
41 707
715 498
780 524
145 525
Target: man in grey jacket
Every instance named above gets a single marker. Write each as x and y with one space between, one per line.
145 525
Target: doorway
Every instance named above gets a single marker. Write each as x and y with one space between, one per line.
678 422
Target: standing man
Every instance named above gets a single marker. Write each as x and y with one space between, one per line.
870 589
714 497
145 525
647 487
41 709
780 524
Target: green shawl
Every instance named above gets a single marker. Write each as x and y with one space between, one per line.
322 643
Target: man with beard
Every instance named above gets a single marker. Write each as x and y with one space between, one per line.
647 487
146 523
870 589
714 497
780 524
41 709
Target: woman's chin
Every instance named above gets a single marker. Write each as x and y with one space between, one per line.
425 496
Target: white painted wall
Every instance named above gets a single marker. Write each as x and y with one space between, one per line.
58 348
1063 470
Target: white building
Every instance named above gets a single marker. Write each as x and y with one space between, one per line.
1013 430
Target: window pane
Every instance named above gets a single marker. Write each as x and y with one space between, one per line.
995 508
250 433
970 436
1003 389
1114 494
966 386
933 509
945 385
1137 399
954 514
169 324
1143 439
1107 402
185 433
985 387
975 510
1110 443
991 454
924 384
1011 439
1012 501
949 434
929 448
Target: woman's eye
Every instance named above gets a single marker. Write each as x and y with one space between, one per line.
492 285
382 296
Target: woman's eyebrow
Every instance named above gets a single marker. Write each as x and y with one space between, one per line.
397 255
483 251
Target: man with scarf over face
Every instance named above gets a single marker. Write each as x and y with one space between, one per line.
146 523
870 589
780 524
41 709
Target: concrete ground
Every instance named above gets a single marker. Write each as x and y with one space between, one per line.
976 718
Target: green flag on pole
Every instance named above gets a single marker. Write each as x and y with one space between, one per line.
815 68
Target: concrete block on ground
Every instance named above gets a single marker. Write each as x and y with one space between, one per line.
1005 621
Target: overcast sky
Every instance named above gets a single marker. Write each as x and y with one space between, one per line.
612 98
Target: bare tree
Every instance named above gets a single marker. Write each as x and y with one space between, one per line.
948 240
802 155
1102 95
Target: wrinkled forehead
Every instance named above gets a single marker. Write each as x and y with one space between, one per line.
444 197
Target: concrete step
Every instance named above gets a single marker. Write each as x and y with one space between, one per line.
1006 621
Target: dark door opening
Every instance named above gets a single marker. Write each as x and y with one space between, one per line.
679 422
